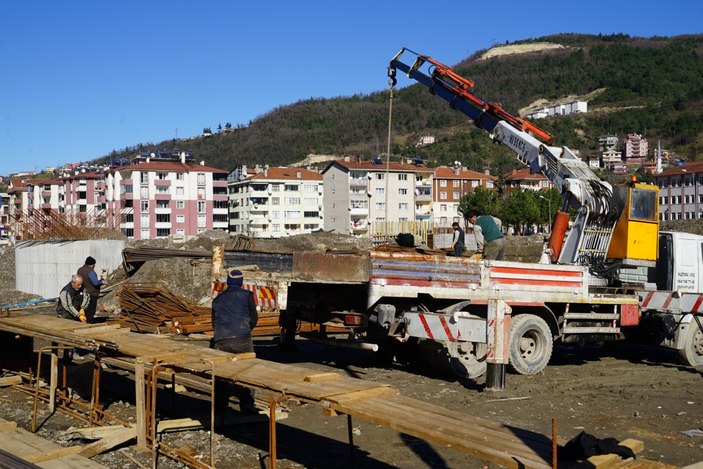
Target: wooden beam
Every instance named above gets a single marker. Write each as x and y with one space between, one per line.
55 454
319 377
10 381
53 381
140 403
109 442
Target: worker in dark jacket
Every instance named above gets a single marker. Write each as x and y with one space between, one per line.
73 300
489 237
92 284
233 318
458 241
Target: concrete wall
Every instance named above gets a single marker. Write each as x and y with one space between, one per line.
44 268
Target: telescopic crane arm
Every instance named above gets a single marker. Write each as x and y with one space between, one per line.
588 241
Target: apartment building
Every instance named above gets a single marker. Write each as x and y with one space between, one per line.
45 194
275 202
160 197
522 179
358 193
449 185
681 192
636 149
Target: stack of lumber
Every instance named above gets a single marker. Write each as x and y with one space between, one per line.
151 307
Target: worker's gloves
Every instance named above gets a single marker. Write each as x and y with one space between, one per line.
478 255
81 315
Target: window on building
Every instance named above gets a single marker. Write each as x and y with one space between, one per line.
144 177
456 183
380 206
311 214
201 179
402 177
144 192
202 221
128 232
144 206
443 207
180 204
144 221
443 196
489 184
180 218
402 191
220 218
310 188
219 204
380 219
293 200
162 189
456 195
310 201
380 176
474 183
180 191
311 226
127 189
380 191
275 200
163 218
292 214
291 187
162 204
129 203
127 218
163 232
276 227
161 175
403 205
201 206
180 232
443 183
180 177
275 188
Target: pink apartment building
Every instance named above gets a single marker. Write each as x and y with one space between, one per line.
158 198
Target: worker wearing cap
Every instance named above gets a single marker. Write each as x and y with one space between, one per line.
489 237
233 318
91 284
73 300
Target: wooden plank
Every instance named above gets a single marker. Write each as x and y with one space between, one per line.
54 454
318 377
8 426
349 397
478 442
109 442
93 433
70 462
10 381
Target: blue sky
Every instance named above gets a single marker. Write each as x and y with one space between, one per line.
81 78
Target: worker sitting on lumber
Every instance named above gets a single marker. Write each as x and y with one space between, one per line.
73 300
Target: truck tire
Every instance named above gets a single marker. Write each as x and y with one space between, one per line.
692 352
530 344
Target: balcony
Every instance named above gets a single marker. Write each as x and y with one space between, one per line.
359 211
358 182
162 182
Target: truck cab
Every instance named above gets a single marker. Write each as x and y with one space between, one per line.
680 264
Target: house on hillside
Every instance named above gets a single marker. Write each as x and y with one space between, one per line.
523 179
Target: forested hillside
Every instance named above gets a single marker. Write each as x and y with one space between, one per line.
649 86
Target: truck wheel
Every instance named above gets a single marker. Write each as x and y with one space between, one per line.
467 360
530 344
692 352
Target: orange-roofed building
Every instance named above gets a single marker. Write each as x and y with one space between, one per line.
275 202
522 179
449 185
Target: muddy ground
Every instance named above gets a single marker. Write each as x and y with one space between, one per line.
620 391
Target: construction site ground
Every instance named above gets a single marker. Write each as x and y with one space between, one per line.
620 390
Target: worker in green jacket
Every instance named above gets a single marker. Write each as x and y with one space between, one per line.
489 237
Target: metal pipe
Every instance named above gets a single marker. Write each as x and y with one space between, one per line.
555 460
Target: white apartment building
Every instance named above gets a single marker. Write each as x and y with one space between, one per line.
276 202
358 193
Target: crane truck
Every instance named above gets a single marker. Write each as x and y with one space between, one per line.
612 274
